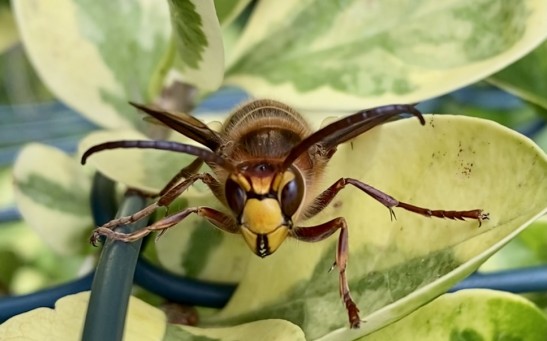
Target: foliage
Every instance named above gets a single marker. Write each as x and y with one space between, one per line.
450 317
325 58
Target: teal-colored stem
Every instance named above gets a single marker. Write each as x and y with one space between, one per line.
111 288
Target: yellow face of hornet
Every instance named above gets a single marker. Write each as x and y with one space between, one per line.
265 204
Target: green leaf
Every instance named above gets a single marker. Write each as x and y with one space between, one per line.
324 55
97 55
396 266
471 315
52 193
144 322
198 40
525 78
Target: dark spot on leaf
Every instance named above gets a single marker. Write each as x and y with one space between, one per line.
467 168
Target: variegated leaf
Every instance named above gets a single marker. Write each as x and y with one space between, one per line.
52 193
65 322
396 266
470 315
323 55
198 40
97 55
144 323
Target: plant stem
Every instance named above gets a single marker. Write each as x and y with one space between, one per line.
113 281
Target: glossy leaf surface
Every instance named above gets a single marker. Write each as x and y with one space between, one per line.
322 55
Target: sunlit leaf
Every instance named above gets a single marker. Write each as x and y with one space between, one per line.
525 78
322 54
97 55
198 40
52 193
395 266
144 322
470 315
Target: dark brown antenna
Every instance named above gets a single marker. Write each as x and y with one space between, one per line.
204 154
350 127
